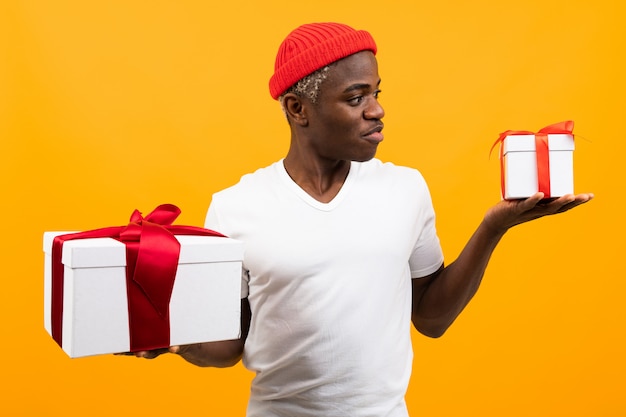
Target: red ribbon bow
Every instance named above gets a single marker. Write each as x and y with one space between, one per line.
542 152
152 253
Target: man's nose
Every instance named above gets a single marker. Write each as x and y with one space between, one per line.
374 110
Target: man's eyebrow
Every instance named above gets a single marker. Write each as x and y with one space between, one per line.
359 86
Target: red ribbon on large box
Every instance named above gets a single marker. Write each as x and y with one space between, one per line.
542 152
152 253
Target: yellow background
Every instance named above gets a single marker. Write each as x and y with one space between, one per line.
109 106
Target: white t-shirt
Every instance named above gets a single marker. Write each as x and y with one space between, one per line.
329 286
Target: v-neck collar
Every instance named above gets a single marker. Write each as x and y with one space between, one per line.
307 198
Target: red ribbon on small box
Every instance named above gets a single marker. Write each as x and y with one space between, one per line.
152 253
542 152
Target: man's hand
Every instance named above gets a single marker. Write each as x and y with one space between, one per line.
151 354
509 213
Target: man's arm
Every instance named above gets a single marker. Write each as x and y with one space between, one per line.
220 354
440 297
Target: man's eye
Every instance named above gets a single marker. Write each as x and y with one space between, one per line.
377 93
355 100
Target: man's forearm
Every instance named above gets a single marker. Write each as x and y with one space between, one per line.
453 287
220 354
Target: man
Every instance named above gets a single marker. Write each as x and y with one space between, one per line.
341 249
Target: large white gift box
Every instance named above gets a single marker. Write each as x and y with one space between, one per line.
204 304
521 172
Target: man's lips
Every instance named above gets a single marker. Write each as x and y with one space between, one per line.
375 134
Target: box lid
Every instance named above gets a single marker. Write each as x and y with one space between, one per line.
526 143
200 249
107 252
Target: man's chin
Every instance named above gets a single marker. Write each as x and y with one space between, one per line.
364 158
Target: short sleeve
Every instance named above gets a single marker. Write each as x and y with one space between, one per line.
427 256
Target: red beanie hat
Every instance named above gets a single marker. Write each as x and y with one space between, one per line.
313 46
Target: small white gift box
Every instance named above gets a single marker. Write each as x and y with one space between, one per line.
521 172
533 162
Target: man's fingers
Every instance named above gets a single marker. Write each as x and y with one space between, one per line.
531 202
562 204
150 354
576 201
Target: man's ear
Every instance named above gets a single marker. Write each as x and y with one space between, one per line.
295 108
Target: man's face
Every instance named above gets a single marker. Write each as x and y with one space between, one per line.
345 123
